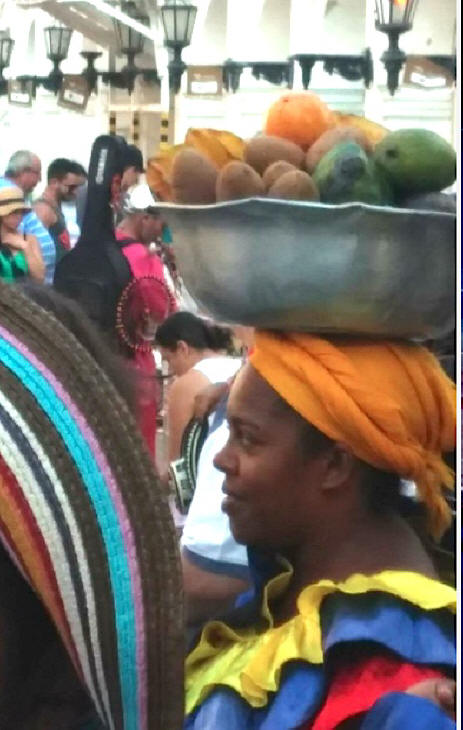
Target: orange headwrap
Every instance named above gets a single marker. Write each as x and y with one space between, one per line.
390 402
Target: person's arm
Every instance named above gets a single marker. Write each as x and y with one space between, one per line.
45 213
32 225
208 593
206 400
34 259
180 408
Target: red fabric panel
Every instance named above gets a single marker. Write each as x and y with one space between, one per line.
355 688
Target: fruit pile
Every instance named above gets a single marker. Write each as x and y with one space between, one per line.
309 152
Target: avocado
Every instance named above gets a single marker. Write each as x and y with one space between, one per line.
416 161
346 175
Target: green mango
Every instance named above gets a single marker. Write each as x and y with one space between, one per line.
347 175
416 161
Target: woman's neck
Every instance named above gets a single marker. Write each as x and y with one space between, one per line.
367 545
199 355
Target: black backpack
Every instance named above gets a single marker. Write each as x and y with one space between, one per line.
96 272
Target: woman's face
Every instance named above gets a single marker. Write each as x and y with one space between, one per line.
12 220
178 360
270 498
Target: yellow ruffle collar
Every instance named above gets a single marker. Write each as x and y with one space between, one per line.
251 663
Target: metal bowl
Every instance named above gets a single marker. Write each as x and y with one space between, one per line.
354 268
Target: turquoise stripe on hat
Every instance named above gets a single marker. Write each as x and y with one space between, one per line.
105 511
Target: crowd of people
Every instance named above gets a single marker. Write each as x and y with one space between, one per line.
314 590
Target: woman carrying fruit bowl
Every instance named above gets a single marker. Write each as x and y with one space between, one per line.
348 624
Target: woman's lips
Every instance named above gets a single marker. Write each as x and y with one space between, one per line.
231 503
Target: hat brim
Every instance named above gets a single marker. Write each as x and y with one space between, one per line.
13 207
101 555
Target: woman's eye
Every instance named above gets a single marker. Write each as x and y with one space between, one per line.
245 439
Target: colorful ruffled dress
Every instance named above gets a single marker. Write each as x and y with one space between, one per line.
349 655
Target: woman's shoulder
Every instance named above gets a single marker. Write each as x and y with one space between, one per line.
405 613
190 383
218 368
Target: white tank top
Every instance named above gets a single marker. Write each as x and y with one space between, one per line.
219 368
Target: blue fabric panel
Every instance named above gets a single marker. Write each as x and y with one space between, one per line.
400 711
421 637
223 709
299 698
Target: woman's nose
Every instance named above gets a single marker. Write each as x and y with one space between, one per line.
224 460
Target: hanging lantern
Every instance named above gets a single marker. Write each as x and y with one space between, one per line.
395 14
57 40
130 41
394 17
6 49
178 19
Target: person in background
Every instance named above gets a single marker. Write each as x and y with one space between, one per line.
142 223
69 208
215 567
196 352
145 304
20 254
24 170
80 171
62 184
133 168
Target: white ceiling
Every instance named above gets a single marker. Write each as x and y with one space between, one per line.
93 23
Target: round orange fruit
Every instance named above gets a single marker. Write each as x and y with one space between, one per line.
299 117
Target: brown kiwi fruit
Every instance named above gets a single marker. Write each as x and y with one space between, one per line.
274 171
261 151
238 180
330 139
294 185
193 178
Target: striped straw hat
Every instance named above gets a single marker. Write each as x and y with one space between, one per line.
83 516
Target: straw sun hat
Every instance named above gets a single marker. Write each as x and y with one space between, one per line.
83 516
12 200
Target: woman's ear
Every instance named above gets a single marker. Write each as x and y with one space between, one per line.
182 348
340 465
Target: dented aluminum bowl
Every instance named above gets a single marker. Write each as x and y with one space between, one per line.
296 266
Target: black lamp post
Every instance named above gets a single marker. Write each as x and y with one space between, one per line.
57 40
394 17
6 49
130 43
178 18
